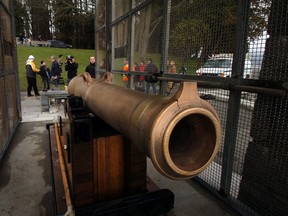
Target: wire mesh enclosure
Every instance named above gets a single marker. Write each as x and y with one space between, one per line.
9 96
237 51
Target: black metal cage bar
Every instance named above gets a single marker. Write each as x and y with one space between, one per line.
10 111
237 52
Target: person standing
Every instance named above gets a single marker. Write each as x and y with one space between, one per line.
171 70
60 61
136 79
55 73
125 75
71 67
151 69
102 67
31 71
21 38
91 67
141 69
45 75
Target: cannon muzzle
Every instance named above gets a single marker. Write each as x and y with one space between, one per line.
180 134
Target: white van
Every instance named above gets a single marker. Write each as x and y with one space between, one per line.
221 65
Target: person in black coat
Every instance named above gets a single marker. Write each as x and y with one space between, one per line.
55 73
71 67
150 69
45 75
91 67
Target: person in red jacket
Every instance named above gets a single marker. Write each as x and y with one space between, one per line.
142 69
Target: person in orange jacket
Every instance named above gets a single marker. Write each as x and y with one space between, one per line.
125 69
125 75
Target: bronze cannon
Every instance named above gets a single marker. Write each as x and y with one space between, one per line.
180 134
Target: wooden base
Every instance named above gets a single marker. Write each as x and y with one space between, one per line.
101 170
101 165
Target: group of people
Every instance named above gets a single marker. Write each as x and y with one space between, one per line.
150 70
150 76
53 76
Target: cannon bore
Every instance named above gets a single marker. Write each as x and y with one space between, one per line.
180 134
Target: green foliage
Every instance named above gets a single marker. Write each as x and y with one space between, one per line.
258 17
44 53
207 24
211 25
66 20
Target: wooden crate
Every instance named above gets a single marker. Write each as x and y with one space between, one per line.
102 165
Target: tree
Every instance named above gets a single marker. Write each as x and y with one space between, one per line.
259 12
211 25
64 20
39 19
148 28
74 22
21 19
207 24
68 20
32 18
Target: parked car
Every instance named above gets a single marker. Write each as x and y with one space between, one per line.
221 65
59 44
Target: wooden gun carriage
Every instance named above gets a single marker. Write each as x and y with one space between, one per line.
109 133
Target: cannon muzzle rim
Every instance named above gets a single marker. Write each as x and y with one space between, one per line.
170 128
161 157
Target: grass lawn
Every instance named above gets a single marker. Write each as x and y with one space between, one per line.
43 53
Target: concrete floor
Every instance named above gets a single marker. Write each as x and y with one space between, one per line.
25 183
25 176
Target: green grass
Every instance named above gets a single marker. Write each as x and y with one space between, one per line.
44 53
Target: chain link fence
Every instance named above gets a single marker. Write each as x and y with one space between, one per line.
9 93
237 51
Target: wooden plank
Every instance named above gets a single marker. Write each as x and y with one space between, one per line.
63 138
119 168
108 168
115 164
82 172
100 175
136 170
59 201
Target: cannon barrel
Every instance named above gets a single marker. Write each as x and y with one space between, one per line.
180 134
